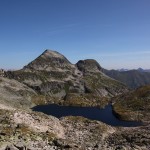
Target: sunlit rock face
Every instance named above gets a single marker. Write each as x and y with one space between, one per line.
49 60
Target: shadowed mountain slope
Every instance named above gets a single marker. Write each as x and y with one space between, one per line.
132 78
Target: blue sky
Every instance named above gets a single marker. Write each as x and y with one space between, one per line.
114 32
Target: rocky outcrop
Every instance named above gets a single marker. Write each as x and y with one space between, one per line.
88 65
22 129
130 139
90 134
2 72
16 94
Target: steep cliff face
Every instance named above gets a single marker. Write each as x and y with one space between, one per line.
53 75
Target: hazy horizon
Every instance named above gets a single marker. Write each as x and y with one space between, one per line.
115 33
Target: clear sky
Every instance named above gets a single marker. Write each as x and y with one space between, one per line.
114 32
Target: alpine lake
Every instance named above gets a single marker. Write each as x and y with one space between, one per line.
104 115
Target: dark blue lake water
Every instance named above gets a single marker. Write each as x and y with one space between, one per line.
105 115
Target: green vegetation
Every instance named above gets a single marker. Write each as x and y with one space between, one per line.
78 119
73 99
44 99
38 99
85 100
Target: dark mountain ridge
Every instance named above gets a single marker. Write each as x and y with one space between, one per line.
131 78
139 69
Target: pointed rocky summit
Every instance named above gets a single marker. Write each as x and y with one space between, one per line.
49 60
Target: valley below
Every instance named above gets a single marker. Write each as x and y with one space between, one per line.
74 100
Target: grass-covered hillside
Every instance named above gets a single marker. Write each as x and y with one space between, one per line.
134 105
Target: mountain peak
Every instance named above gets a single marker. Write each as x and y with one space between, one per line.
51 53
140 69
48 60
88 65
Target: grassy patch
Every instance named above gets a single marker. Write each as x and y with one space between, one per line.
38 99
85 100
134 105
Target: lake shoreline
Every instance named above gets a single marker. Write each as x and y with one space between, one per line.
106 114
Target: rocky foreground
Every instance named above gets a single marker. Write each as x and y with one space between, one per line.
22 129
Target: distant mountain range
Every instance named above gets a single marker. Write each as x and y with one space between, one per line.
131 78
143 70
139 69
